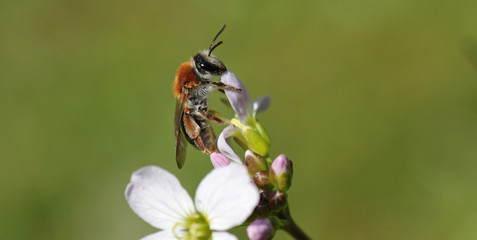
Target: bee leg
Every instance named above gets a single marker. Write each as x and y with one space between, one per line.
221 85
191 127
212 116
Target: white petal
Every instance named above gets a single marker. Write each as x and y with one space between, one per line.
158 197
223 236
261 104
224 146
162 235
226 196
240 100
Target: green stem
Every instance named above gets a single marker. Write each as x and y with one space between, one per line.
290 226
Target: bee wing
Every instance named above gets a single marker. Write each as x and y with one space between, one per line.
181 142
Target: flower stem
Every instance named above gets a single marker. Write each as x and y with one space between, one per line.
290 226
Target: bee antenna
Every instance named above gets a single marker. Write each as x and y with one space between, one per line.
212 46
216 45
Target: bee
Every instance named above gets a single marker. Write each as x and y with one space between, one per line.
192 86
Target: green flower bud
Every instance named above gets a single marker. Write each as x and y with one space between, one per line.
264 133
253 136
256 141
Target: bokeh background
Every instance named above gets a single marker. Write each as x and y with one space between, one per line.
374 101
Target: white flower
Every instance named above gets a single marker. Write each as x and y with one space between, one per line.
246 128
224 199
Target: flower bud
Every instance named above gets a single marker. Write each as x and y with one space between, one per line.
263 133
257 139
241 141
254 162
276 199
260 229
262 180
281 172
219 160
262 208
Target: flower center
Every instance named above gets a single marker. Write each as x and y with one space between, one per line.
195 226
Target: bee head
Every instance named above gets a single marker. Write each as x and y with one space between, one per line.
208 66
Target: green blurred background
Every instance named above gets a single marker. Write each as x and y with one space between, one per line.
374 101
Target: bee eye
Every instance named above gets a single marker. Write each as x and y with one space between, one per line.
203 66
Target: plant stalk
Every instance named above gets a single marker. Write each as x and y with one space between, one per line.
290 226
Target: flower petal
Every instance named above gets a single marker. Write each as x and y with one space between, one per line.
226 196
224 146
261 104
223 236
162 235
219 159
158 197
240 100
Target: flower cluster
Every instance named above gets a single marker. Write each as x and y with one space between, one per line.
273 178
252 191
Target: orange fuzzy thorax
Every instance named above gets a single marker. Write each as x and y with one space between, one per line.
185 76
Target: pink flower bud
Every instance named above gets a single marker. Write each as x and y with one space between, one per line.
260 229
281 172
219 160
